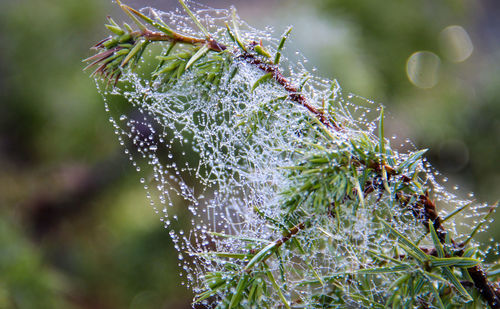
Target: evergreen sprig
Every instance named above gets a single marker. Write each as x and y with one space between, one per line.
332 181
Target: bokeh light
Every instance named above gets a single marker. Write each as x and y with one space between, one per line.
422 69
456 43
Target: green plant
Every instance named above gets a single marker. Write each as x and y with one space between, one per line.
302 201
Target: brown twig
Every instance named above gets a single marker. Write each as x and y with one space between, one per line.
179 38
424 210
293 231
486 288
294 94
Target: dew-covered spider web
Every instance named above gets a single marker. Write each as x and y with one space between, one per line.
219 152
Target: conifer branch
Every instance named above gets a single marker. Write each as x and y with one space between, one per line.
333 180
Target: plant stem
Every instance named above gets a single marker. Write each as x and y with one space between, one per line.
213 45
425 209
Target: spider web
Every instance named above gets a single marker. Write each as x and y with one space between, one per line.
212 151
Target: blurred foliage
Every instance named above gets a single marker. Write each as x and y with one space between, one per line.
458 118
75 231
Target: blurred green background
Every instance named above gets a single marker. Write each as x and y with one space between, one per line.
76 230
